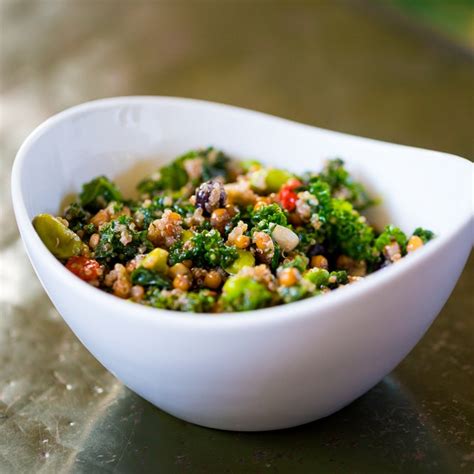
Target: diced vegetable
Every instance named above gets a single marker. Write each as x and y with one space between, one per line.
244 259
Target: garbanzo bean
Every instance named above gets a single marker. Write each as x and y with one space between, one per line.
414 243
213 280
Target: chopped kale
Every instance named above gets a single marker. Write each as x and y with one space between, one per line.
343 186
174 176
301 290
206 249
265 216
215 164
169 177
349 232
300 262
321 191
391 234
119 240
97 193
337 278
143 276
424 234
77 216
149 211
197 302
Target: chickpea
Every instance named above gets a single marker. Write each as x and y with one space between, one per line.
137 292
262 240
182 282
94 241
179 269
242 242
213 280
319 261
295 219
121 287
414 243
288 277
219 219
100 218
259 205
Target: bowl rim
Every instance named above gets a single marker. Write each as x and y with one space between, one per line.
312 305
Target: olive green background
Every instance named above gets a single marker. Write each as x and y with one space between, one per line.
341 65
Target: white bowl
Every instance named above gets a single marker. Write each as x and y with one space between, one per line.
271 368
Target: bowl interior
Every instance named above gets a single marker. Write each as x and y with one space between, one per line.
128 138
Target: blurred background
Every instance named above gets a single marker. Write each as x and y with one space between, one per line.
400 70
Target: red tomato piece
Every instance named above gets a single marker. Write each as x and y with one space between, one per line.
287 195
86 269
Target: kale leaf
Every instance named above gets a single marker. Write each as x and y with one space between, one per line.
424 234
119 240
143 276
391 234
96 194
205 249
265 216
343 186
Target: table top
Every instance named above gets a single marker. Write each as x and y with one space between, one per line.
345 67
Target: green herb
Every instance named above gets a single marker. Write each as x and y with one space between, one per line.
343 186
96 194
424 234
111 244
197 302
145 277
205 249
391 234
349 232
77 216
265 216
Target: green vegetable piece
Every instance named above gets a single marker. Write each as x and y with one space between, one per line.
112 246
206 249
338 278
342 183
196 302
300 262
244 294
391 234
247 165
424 234
302 290
263 217
349 232
156 260
145 277
60 241
96 194
257 180
318 276
187 235
244 259
276 178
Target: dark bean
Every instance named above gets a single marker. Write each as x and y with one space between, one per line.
210 196
317 249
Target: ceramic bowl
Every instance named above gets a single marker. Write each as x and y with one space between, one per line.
266 369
